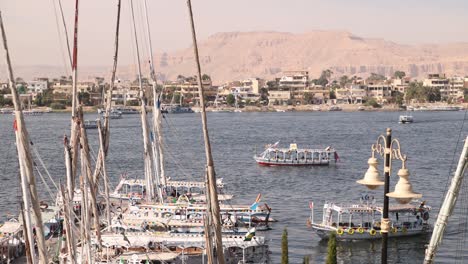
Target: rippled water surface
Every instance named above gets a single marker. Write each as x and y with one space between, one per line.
432 144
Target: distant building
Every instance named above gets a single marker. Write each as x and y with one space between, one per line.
189 90
62 90
457 85
278 96
320 94
401 85
37 86
254 84
297 82
441 82
248 89
354 94
380 92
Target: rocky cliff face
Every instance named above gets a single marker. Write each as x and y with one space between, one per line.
237 55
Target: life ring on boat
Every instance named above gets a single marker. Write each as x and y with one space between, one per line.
360 230
350 231
404 230
339 231
394 230
425 216
372 232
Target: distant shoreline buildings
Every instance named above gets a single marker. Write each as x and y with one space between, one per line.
291 88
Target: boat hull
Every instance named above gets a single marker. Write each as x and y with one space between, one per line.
324 233
271 164
266 162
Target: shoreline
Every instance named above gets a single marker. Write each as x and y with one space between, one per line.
289 108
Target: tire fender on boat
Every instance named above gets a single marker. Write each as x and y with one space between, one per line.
425 216
404 230
394 230
360 230
372 232
350 231
340 231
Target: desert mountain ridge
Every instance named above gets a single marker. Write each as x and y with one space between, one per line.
231 56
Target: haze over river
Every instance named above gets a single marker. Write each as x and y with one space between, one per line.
432 144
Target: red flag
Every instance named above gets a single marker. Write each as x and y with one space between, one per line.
311 205
337 158
15 125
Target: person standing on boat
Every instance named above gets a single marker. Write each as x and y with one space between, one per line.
419 221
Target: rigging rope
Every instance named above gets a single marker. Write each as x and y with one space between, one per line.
38 157
132 43
61 48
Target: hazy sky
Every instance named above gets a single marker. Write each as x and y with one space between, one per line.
34 39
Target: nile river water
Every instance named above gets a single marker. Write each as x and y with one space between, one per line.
432 144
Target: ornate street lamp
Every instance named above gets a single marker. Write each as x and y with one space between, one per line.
390 150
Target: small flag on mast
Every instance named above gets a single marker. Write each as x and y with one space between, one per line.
311 205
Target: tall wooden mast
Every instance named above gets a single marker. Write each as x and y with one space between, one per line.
144 123
157 141
74 136
112 82
99 169
25 164
212 192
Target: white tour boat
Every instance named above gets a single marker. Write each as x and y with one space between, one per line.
91 124
406 119
293 156
135 189
248 247
362 221
186 217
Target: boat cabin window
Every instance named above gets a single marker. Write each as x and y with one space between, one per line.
300 155
293 155
316 155
287 155
308 155
271 155
280 155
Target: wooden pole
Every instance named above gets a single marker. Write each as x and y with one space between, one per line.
29 250
68 166
106 179
210 171
25 160
85 218
68 223
112 82
74 137
144 124
86 160
106 131
447 207
158 140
